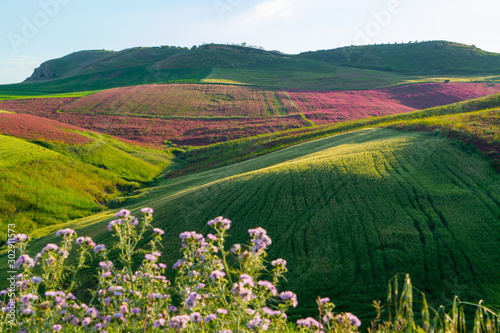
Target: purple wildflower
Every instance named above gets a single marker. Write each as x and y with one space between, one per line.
178 264
159 323
247 280
222 311
106 265
36 279
279 262
150 257
24 260
309 322
190 302
85 241
86 321
50 247
257 232
147 210
57 327
210 317
220 221
158 231
123 213
353 320
179 322
239 289
113 223
289 296
19 238
258 323
268 285
196 317
99 248
93 312
270 312
216 275
236 248
66 232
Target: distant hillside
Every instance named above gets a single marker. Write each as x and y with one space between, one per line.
371 66
435 57
58 68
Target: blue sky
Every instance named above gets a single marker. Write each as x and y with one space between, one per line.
33 31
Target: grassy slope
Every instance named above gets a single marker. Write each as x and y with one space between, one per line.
415 58
227 153
41 187
50 182
337 77
480 129
348 212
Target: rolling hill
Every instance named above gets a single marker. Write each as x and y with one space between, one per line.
348 212
356 67
52 172
226 153
433 57
353 186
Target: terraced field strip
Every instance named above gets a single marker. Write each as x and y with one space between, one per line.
38 128
180 100
226 100
44 107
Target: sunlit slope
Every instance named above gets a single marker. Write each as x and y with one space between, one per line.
348 216
41 187
45 182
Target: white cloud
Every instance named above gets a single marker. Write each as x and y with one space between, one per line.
274 7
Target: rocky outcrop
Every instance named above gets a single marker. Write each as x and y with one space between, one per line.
42 73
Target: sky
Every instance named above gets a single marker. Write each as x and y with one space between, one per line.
34 31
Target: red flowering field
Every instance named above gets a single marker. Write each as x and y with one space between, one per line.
182 100
426 95
334 106
182 131
37 128
35 106
203 114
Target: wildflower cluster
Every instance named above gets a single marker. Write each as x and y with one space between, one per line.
134 295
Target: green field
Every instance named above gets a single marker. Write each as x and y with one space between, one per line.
335 77
6 94
348 212
51 183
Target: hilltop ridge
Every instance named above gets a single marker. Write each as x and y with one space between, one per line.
102 69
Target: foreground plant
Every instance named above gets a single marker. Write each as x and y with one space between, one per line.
212 295
216 289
